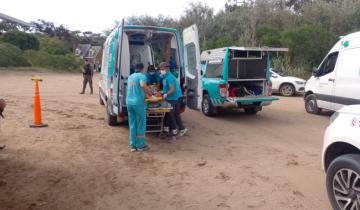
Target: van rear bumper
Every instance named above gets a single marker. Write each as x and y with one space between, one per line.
233 102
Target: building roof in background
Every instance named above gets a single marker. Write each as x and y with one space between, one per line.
95 49
87 51
82 49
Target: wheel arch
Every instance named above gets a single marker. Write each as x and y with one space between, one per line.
308 93
205 92
337 149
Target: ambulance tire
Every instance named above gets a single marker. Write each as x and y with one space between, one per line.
110 119
311 105
100 100
207 107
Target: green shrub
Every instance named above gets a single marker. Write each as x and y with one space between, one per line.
20 39
282 63
11 56
220 42
43 59
308 45
53 46
268 36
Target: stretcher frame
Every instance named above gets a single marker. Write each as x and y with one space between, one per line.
155 116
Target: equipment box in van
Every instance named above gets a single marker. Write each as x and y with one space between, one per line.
336 82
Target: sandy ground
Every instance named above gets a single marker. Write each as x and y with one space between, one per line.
268 161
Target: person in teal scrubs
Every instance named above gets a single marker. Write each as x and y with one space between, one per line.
172 93
152 76
136 107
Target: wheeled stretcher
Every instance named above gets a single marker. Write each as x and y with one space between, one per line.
155 112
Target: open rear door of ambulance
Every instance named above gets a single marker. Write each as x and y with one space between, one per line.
118 68
192 67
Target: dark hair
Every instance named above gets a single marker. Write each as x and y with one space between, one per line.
151 68
139 66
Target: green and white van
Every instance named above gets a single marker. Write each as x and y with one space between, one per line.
126 46
230 77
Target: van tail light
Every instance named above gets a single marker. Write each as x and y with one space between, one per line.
111 86
269 88
223 88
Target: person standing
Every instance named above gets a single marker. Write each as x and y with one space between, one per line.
136 107
172 93
88 75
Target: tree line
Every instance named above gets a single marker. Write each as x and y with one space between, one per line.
307 27
43 45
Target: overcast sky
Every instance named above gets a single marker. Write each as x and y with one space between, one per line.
94 15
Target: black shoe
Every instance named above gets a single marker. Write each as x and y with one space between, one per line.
145 148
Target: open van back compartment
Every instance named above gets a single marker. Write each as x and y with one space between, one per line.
246 88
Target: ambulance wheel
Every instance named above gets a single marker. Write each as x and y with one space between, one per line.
342 181
311 104
110 119
207 107
100 100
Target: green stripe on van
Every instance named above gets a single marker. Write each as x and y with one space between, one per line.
151 27
257 99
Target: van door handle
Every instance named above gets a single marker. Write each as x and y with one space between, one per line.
331 80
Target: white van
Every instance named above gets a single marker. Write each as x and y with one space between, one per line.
336 82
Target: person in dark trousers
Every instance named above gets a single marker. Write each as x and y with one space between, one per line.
172 93
88 75
2 107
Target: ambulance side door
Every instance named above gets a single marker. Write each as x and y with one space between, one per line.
192 67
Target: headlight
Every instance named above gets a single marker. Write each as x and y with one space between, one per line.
333 117
299 82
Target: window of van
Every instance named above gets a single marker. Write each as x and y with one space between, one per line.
328 65
191 58
214 70
350 63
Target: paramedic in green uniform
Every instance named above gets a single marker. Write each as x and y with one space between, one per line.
136 107
172 93
152 76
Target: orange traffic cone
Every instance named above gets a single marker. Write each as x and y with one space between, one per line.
37 107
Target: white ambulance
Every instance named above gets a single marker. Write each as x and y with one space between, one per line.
336 82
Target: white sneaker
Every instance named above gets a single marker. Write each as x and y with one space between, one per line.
175 132
183 132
